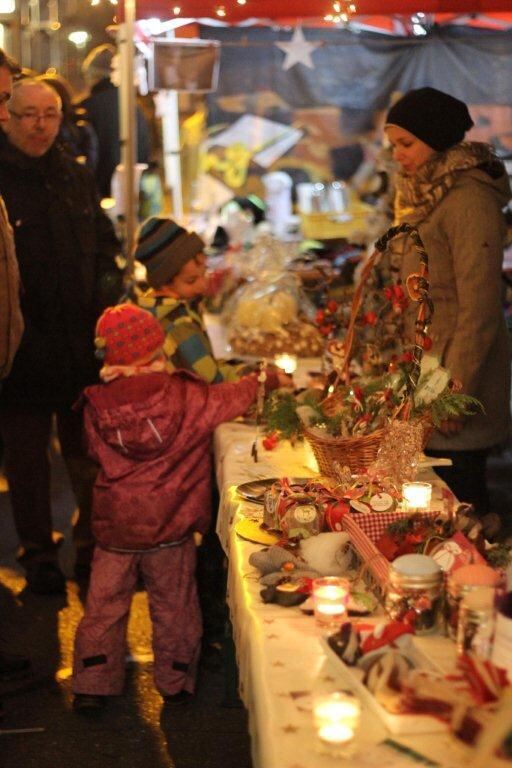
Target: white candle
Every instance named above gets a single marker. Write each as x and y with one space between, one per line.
330 596
288 363
335 733
336 717
416 497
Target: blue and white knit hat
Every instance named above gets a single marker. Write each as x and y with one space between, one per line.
164 248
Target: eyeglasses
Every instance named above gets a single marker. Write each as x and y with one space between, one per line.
34 117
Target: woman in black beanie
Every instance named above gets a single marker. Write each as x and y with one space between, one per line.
454 191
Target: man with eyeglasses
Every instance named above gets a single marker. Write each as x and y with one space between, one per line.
66 249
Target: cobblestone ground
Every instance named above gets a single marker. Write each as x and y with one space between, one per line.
134 732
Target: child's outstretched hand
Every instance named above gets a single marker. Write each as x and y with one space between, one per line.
285 379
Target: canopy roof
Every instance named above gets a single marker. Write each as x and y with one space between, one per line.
232 11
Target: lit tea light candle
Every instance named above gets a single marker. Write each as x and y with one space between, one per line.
416 497
330 596
336 718
107 203
287 363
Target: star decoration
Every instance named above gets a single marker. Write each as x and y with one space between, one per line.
298 50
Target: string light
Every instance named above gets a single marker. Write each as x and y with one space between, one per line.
342 11
220 10
176 10
241 2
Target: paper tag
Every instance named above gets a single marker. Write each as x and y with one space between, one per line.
430 389
305 514
381 502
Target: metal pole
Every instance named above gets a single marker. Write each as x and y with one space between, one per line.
172 146
128 130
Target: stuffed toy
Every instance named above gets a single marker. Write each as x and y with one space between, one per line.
284 573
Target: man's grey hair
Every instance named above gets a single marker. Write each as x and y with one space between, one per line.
32 81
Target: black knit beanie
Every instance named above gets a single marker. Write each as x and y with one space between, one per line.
438 119
164 248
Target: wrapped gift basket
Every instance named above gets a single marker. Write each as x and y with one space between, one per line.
359 451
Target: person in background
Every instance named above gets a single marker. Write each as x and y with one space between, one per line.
66 249
454 191
11 318
102 110
76 133
150 433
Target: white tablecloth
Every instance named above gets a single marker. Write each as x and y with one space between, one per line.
280 657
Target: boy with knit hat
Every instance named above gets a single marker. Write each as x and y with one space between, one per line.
175 272
175 268
149 432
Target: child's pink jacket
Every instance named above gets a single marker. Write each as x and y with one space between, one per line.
151 435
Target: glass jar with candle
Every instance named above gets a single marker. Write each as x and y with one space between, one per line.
460 583
330 596
336 718
416 497
475 627
415 592
287 363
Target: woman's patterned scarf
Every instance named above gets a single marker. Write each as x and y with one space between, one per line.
418 195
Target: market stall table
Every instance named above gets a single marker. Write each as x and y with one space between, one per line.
279 650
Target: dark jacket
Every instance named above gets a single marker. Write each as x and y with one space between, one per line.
65 246
150 435
102 111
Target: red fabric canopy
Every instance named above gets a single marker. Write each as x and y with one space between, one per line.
307 9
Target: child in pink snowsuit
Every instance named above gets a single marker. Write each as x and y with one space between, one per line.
150 433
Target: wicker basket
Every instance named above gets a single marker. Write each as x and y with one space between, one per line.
358 452
354 452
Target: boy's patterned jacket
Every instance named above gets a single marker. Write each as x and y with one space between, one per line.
187 345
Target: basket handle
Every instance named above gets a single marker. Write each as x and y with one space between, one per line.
420 294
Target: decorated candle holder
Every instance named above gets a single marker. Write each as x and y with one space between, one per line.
287 363
416 497
330 596
336 718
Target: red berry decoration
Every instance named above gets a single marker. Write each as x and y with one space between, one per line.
427 343
270 441
332 306
370 318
